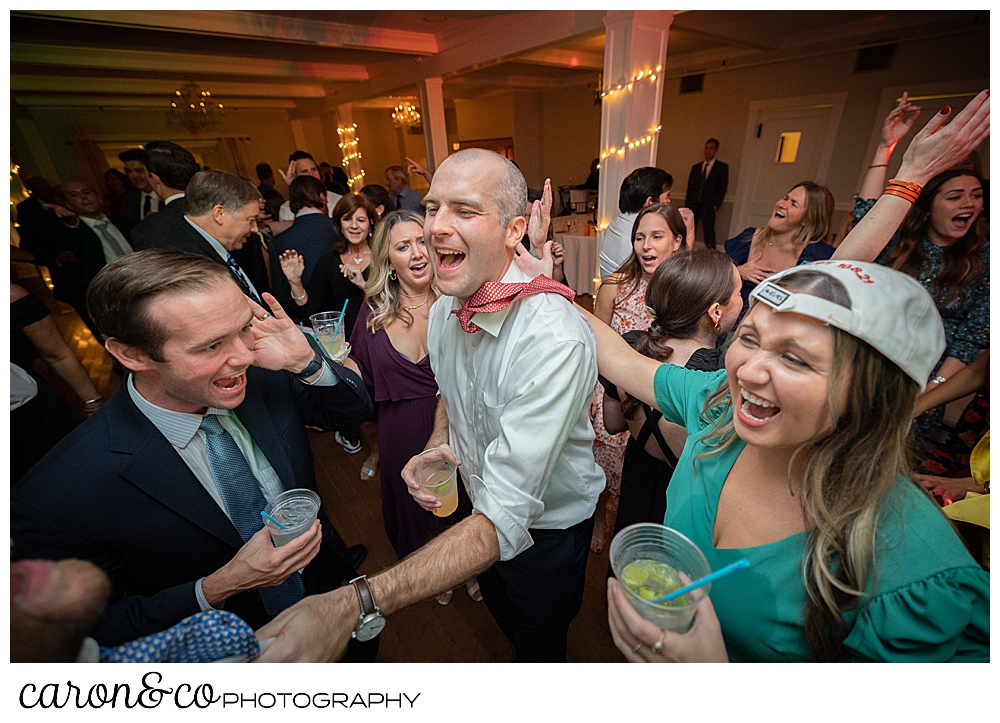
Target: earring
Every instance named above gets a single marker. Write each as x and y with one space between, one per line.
718 326
392 274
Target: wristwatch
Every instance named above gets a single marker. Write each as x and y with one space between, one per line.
371 621
311 368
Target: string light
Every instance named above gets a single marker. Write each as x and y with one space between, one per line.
349 147
641 75
630 143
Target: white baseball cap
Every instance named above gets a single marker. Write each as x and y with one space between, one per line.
889 310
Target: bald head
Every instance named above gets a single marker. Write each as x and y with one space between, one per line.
509 190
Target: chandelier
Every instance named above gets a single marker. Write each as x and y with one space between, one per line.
194 109
405 115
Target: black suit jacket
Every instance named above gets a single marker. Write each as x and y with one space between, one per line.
115 492
183 236
716 186
86 246
132 211
156 230
312 236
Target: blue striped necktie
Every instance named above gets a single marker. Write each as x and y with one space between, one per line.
244 279
244 501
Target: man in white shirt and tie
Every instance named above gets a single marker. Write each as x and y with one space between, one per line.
143 201
516 368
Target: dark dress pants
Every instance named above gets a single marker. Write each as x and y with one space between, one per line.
704 214
535 596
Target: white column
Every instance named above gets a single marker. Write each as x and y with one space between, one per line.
432 115
635 51
349 147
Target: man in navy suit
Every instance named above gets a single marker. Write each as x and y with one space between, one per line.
143 201
706 189
220 211
163 487
311 235
171 168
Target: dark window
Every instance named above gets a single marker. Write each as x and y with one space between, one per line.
877 57
692 83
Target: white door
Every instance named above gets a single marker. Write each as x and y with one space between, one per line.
788 141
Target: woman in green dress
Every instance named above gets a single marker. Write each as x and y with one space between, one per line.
805 473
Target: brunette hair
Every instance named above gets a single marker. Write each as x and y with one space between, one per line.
817 219
119 297
630 273
306 192
961 263
348 204
850 474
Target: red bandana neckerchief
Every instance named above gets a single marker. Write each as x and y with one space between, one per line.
497 296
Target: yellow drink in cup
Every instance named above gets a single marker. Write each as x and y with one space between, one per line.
443 485
324 325
440 478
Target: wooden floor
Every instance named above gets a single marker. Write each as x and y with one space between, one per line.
462 631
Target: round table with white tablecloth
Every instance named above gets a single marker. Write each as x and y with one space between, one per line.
580 264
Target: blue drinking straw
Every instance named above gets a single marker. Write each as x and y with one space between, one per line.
340 321
712 577
280 526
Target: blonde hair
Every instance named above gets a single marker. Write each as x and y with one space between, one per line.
849 474
381 290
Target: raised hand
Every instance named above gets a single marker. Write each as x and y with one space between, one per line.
687 215
898 122
61 212
413 167
541 217
753 271
935 149
535 267
353 274
292 265
289 175
558 254
278 343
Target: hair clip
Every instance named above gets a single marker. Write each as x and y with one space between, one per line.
650 312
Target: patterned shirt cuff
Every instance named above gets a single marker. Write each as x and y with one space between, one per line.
200 596
965 351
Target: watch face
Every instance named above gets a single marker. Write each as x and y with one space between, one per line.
370 628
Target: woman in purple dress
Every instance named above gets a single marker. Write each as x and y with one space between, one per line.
389 345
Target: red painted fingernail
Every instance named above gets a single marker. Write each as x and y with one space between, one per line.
946 110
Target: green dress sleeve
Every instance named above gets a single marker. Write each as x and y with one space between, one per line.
945 617
681 393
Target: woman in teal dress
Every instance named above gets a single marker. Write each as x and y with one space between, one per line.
806 474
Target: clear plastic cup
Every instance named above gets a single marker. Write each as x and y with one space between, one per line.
324 325
295 509
652 546
437 475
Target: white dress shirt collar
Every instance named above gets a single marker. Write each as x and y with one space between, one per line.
492 322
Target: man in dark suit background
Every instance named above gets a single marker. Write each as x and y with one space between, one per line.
220 212
162 488
91 240
141 202
171 167
312 234
706 189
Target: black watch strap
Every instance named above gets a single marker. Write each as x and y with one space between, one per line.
311 368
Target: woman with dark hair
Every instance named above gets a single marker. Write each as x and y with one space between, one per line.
942 243
118 185
692 298
380 199
795 234
341 274
657 232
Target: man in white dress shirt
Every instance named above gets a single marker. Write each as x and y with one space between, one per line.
515 385
301 163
